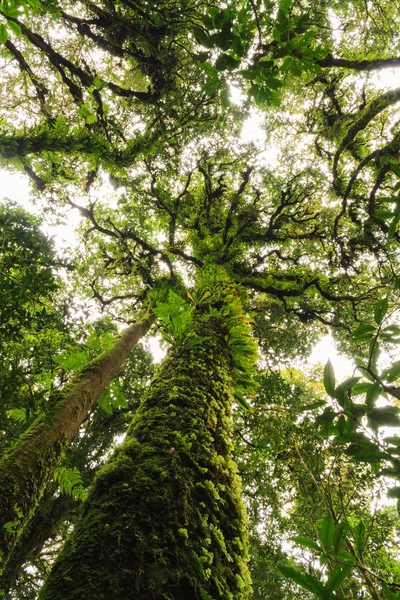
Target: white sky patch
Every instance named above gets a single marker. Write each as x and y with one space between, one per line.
155 348
325 350
15 186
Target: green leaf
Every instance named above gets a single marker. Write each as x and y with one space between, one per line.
394 492
308 582
341 424
70 482
394 223
395 441
337 576
388 415
326 532
20 415
247 73
348 384
339 536
360 535
306 542
373 394
370 456
380 310
346 557
393 227
224 96
72 362
242 402
364 369
285 5
329 379
90 119
360 388
364 333
393 373
3 33
389 595
14 27
224 61
202 37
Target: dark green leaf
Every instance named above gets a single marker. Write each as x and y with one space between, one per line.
224 61
359 535
360 388
348 384
337 576
341 424
308 582
364 333
395 441
388 415
339 536
306 543
247 73
393 373
242 402
389 595
373 394
202 37
370 456
394 492
327 416
346 557
329 379
380 310
224 96
3 33
326 532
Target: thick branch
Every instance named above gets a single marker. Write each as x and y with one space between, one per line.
360 65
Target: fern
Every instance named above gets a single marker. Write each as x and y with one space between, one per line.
70 482
20 415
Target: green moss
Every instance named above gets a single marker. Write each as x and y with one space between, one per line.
164 519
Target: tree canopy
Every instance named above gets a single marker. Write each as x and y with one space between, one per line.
239 245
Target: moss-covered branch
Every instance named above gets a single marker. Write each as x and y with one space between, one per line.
362 119
78 142
28 465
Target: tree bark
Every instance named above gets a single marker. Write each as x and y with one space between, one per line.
164 519
26 468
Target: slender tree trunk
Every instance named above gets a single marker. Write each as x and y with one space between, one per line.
164 519
26 468
50 513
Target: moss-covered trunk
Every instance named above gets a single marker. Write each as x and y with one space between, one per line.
164 519
26 467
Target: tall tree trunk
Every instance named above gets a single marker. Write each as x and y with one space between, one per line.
164 519
26 467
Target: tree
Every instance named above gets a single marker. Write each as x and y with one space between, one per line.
154 116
